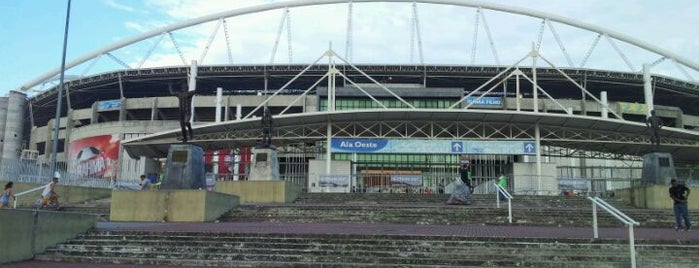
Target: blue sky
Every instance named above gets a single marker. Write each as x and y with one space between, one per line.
32 32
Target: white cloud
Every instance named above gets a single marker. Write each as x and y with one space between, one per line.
113 4
382 32
135 26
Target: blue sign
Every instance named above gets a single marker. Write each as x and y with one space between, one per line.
529 147
457 147
418 146
485 101
109 105
358 145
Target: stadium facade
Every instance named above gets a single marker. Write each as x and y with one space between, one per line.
580 125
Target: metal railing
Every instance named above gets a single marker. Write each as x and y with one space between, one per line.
596 201
38 171
509 200
14 205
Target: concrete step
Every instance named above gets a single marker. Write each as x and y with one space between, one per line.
330 263
438 214
313 250
529 200
344 245
355 257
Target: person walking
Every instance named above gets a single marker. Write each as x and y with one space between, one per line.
49 196
6 195
679 194
465 175
502 182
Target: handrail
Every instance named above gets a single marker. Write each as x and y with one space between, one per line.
509 200
14 205
620 216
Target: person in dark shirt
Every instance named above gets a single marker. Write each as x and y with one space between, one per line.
266 124
679 193
654 123
185 101
465 174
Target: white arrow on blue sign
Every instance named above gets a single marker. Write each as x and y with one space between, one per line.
457 147
529 147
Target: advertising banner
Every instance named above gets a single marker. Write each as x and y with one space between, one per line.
633 108
110 105
94 157
333 180
406 180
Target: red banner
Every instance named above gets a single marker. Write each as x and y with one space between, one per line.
94 157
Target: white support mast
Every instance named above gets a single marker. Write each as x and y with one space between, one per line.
150 51
279 34
490 40
589 51
177 47
475 36
560 44
228 41
348 39
208 43
288 36
417 34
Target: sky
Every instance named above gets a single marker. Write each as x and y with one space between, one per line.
32 33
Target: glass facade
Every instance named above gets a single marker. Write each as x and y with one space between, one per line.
353 104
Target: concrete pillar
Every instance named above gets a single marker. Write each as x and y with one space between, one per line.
95 116
14 125
154 110
535 90
647 88
69 126
3 119
226 109
122 110
537 136
219 100
193 87
605 104
48 147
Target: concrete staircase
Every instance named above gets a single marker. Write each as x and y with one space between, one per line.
98 207
430 209
309 250
290 248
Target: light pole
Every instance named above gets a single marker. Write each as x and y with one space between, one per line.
57 122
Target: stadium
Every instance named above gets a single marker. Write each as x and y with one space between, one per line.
547 123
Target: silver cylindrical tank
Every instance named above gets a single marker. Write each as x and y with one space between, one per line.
14 125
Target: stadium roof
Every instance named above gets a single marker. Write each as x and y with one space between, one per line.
568 131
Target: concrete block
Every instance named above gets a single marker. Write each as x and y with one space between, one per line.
148 206
170 205
260 191
653 197
26 234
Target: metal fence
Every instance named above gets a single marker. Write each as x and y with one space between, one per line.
38 171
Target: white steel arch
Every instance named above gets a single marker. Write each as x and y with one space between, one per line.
300 3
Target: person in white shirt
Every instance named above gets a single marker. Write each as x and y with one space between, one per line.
145 183
49 194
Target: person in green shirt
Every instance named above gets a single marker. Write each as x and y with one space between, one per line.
502 181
